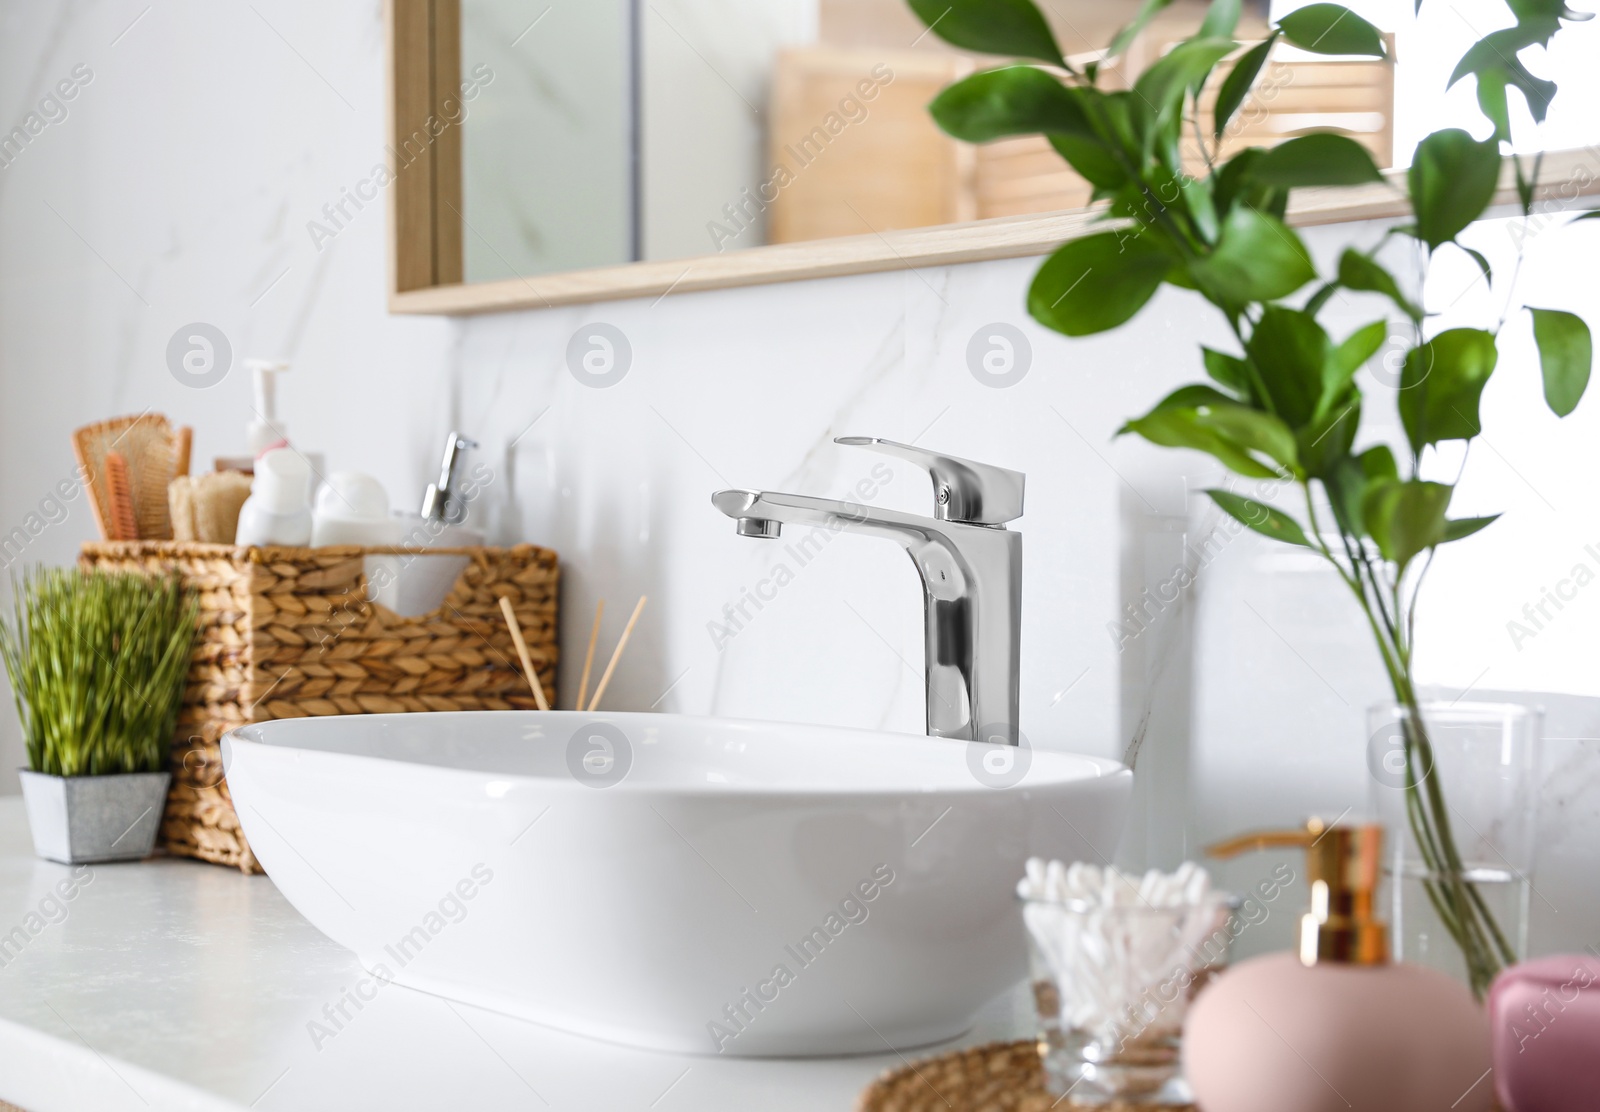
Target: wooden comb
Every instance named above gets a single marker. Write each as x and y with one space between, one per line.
119 492
149 451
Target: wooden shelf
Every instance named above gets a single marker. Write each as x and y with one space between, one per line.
1569 178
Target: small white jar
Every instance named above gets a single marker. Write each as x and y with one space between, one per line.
277 511
352 508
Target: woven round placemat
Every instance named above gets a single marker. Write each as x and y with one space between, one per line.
996 1077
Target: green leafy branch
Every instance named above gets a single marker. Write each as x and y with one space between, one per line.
1287 404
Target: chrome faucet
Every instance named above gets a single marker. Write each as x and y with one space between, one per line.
971 569
440 501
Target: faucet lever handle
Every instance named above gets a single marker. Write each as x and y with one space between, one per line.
964 491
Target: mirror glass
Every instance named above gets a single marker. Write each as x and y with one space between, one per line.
612 131
547 149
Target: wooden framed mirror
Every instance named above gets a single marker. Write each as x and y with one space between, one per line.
550 154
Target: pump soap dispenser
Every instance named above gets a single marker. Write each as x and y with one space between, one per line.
1336 1027
265 430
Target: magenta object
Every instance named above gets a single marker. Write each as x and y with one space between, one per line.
1544 1019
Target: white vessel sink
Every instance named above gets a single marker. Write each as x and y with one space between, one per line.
692 885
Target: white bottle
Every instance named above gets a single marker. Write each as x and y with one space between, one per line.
352 508
277 511
265 430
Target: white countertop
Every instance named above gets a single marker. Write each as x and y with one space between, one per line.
175 985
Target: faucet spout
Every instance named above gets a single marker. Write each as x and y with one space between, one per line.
763 513
762 528
971 574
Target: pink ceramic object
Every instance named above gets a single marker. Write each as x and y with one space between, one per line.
1544 1020
1272 1034
1336 1027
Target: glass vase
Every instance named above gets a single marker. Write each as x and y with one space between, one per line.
1471 771
1112 985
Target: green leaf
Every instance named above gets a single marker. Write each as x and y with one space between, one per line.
1361 272
1236 86
1349 480
1202 209
1091 158
1118 118
1462 528
1331 29
1483 263
1441 384
1010 27
1323 443
1234 187
1406 518
1492 101
1250 428
1260 517
1193 397
1566 355
1164 83
1147 11
1525 186
1344 485
1257 258
1222 16
1537 91
1290 350
1182 428
1229 370
1111 115
1346 359
1098 282
1494 59
1378 463
1323 158
1552 9
1317 300
1203 418
1015 100
1359 346
1592 214
1452 180
1500 48
1493 81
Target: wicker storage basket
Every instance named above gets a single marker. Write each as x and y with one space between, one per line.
289 632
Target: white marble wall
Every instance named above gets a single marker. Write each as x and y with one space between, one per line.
178 189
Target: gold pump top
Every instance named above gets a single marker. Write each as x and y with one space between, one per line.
1343 865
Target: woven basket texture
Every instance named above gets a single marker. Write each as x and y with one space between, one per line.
290 633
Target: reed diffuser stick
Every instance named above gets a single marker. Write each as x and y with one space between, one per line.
616 654
588 660
522 651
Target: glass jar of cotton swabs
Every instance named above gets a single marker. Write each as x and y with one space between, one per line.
1116 960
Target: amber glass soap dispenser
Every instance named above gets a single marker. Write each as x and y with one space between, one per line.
1337 1027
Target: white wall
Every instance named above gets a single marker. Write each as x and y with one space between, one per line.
179 187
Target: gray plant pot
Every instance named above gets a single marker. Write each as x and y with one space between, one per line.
77 820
